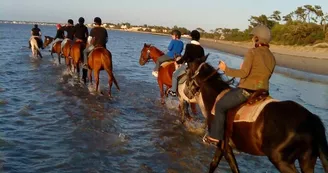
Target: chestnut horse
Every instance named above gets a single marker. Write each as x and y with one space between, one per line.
56 48
101 59
77 54
66 53
284 131
164 77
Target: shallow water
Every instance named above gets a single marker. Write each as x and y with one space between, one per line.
49 122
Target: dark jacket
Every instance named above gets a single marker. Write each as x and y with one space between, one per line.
193 51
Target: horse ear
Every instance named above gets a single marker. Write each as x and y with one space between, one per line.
204 58
145 44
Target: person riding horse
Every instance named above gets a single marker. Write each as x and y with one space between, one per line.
193 51
175 48
70 32
59 36
81 32
255 72
36 34
98 38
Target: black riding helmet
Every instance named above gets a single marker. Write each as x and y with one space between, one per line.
36 25
70 21
195 35
97 20
177 33
81 20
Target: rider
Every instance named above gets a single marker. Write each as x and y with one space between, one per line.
36 33
59 36
193 50
81 31
175 48
98 37
255 73
70 32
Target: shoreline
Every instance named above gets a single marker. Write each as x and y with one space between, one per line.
302 58
313 62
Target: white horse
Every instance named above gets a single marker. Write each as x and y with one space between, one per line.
35 48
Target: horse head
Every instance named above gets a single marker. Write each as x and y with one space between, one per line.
47 40
149 52
201 73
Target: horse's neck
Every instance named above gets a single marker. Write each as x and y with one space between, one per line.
155 54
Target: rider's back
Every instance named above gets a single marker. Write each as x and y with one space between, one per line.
100 36
36 31
81 32
70 32
256 70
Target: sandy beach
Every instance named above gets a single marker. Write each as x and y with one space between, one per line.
303 58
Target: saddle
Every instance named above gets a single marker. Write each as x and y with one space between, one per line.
246 112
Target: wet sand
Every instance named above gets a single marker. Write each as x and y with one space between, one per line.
313 60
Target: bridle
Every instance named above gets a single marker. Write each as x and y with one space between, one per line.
147 59
200 85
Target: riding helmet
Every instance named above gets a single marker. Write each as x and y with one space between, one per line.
97 20
195 35
262 32
70 21
81 20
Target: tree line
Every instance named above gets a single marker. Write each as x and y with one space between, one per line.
305 25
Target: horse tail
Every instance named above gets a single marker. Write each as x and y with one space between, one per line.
319 133
107 63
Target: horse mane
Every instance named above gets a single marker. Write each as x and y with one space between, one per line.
215 80
157 50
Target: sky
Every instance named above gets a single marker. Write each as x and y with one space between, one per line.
206 14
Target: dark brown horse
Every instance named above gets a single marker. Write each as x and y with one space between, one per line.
165 73
77 54
56 48
66 53
101 59
284 131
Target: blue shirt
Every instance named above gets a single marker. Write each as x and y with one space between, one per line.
175 47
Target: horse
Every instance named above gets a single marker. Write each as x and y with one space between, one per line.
66 53
77 54
56 48
284 131
35 47
165 73
101 59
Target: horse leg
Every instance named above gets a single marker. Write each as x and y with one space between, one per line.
77 67
59 58
161 90
90 76
216 159
230 157
39 53
307 162
193 108
96 74
283 166
186 110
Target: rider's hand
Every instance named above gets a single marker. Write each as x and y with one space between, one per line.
222 66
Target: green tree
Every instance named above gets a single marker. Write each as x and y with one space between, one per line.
276 16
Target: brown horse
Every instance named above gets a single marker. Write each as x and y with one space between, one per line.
66 53
284 131
77 54
164 76
56 48
101 59
164 73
